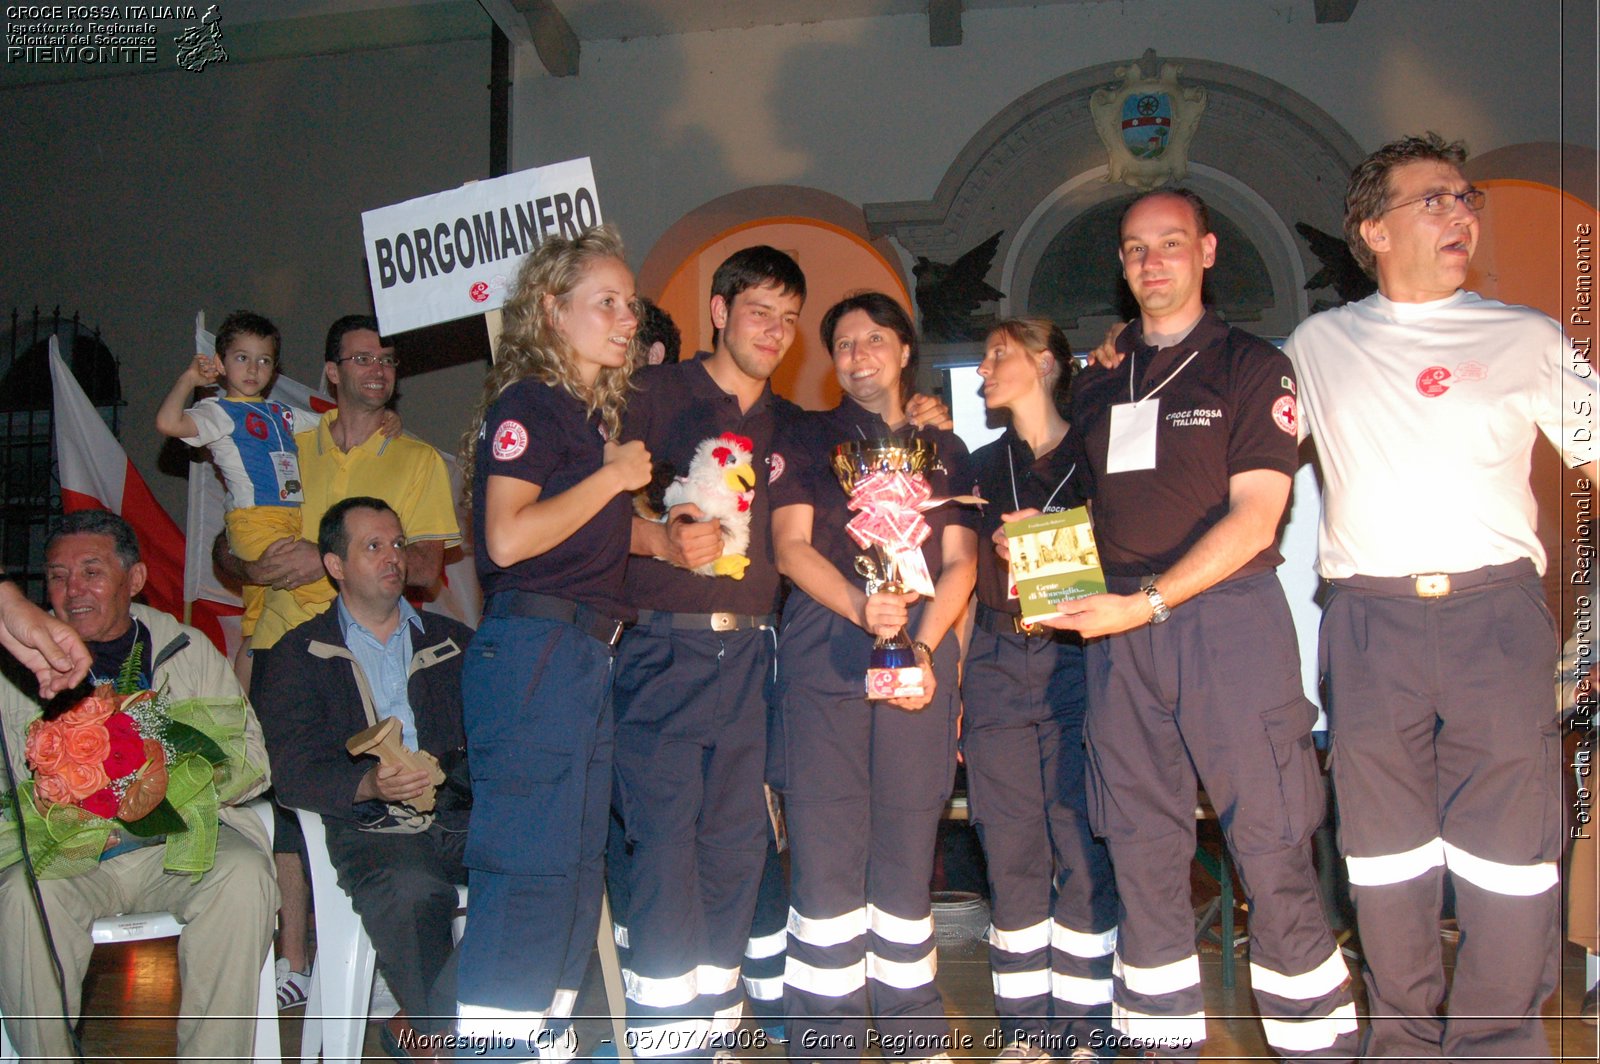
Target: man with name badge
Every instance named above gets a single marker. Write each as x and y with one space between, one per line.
1193 667
1424 401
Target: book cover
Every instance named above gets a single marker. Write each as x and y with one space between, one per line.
1053 559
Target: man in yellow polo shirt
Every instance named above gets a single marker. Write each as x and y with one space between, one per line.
344 456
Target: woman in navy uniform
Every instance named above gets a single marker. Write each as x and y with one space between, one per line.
1054 901
551 519
864 782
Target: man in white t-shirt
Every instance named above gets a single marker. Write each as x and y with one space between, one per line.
1424 401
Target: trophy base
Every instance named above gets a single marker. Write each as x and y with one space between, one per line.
885 683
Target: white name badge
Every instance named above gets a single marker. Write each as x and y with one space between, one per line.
1133 436
286 466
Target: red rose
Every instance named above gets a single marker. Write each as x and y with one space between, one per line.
127 747
102 803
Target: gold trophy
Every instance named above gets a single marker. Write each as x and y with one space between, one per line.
892 670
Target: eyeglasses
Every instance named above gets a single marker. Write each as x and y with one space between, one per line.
387 361
1445 202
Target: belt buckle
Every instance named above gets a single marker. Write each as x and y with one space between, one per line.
724 622
1433 585
616 634
1023 627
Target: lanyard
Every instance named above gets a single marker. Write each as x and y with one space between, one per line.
1016 502
272 417
1132 359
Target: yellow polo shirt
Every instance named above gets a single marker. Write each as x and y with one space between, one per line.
406 473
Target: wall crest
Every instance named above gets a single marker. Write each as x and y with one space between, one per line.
1147 122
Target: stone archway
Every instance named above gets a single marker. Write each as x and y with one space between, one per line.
1264 157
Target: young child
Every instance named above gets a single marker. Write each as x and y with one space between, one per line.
250 438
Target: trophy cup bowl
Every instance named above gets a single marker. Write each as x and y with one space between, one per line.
852 463
856 460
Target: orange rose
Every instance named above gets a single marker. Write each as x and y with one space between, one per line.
83 780
46 748
89 744
91 710
51 789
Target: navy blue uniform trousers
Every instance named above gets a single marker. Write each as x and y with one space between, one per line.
1054 904
1446 759
1214 693
537 708
690 761
864 785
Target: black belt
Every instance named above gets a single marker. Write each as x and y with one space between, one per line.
586 619
999 622
1438 585
715 622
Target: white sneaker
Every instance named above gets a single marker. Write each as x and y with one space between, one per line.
292 985
382 1004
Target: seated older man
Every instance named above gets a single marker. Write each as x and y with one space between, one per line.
92 572
370 657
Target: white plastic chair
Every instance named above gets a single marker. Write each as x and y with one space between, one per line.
341 978
138 927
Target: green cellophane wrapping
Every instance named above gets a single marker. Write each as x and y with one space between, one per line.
67 841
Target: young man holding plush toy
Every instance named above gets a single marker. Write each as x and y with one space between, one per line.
690 696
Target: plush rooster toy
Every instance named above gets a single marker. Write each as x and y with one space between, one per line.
722 482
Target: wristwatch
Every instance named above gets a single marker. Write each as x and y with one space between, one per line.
1158 604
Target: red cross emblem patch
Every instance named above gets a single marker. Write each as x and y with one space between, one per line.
509 440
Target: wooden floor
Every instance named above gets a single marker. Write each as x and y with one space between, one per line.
131 995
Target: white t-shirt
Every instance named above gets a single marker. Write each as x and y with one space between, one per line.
1424 417
252 445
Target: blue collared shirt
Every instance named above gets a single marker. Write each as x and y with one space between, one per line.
387 665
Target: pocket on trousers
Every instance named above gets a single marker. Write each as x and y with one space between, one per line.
1288 730
527 811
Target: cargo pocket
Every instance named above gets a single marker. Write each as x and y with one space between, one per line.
527 808
1300 783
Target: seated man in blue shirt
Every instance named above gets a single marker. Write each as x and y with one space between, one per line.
374 656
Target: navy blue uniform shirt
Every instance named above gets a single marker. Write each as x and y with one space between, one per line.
806 450
541 434
675 408
1006 473
1230 410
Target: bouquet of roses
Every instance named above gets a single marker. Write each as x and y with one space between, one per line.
108 756
128 762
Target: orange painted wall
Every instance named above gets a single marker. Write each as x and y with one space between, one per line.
835 263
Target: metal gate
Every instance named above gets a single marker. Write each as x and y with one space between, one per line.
30 491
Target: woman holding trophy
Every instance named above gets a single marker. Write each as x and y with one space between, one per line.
1054 901
551 522
863 746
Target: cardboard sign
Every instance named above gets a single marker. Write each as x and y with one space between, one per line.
455 254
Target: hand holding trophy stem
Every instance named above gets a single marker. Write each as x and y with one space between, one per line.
892 669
